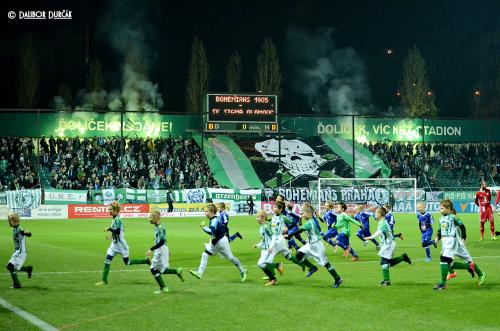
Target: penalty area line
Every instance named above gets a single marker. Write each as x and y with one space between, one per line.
27 316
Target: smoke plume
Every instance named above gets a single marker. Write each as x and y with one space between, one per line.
332 79
126 28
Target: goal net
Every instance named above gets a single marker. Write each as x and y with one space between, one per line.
401 193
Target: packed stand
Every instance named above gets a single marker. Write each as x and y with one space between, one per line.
17 163
443 165
96 163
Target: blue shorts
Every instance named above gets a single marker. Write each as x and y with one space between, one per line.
343 240
427 235
330 233
364 231
293 229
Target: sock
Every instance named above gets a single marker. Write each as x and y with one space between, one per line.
331 242
353 253
478 271
460 265
396 260
234 236
25 269
481 228
492 228
105 272
203 263
292 243
15 280
360 236
428 252
170 271
304 262
159 280
332 271
385 274
375 242
268 273
273 265
444 272
138 261
299 238
237 263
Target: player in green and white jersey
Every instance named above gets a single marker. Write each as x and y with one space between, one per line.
265 263
17 260
118 244
452 235
387 246
314 247
278 243
160 253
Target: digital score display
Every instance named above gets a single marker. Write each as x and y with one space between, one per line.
241 113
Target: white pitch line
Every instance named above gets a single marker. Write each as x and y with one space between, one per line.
216 267
27 316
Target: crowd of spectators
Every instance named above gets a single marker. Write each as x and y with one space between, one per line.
430 162
98 163
176 163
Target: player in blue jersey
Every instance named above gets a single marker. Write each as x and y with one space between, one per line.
218 244
391 221
224 218
330 218
425 221
294 225
363 217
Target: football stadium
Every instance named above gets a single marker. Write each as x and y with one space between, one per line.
163 166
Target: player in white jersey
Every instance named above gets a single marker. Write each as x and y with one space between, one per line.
17 260
265 261
118 244
452 235
160 253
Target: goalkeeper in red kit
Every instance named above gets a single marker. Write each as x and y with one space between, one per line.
483 201
496 207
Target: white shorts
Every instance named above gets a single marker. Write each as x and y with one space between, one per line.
387 250
221 248
264 258
160 259
118 248
452 246
281 247
316 251
17 259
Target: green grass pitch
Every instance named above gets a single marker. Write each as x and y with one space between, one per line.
68 257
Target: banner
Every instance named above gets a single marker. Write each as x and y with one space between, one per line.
195 195
293 162
107 196
181 209
229 165
3 198
102 211
54 212
395 129
92 124
64 197
460 195
24 199
135 195
236 200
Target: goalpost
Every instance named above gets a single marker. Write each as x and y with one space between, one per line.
401 193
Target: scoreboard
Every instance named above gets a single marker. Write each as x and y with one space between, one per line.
240 113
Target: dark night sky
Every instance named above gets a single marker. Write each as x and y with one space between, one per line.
460 41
